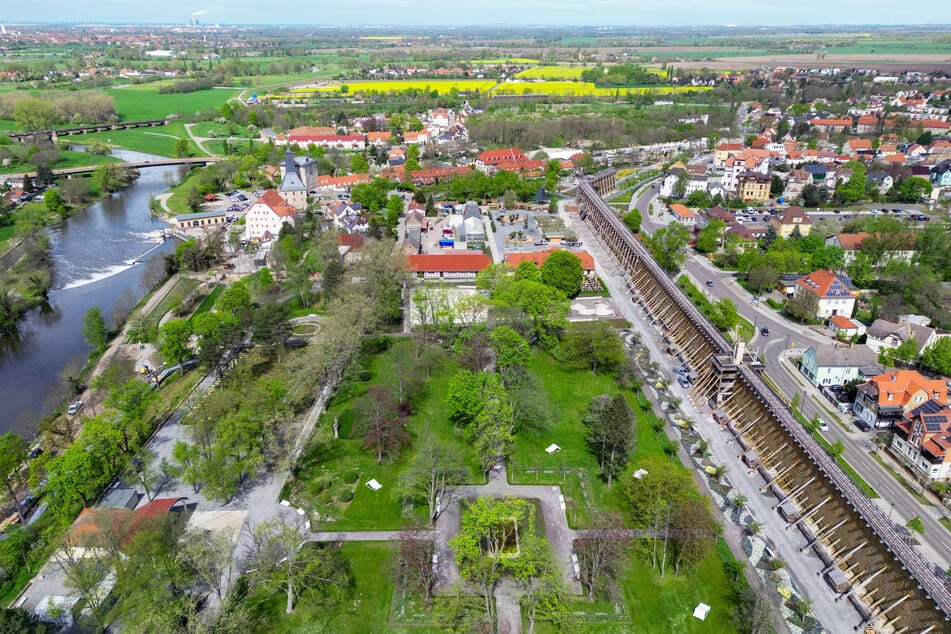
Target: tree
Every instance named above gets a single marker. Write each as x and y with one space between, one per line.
269 326
668 246
562 270
633 220
762 276
95 330
596 347
13 452
708 241
236 302
490 432
723 314
174 336
414 569
601 555
208 556
611 424
52 200
280 557
359 164
527 270
511 352
384 430
699 198
32 114
803 306
464 395
435 470
813 195
937 356
19 621
182 149
544 306
913 189
776 186
84 571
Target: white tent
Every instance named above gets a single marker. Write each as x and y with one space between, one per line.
701 611
373 484
552 448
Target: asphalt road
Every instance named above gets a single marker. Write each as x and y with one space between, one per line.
787 337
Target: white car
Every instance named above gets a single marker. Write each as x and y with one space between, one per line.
823 425
74 408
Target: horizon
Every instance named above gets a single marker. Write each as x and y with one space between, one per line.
605 14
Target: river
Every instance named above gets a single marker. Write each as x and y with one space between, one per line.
92 254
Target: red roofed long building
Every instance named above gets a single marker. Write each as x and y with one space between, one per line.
923 438
454 265
492 159
339 141
267 215
539 257
429 176
887 397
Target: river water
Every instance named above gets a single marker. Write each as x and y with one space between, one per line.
92 255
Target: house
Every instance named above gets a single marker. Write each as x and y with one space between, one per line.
867 125
338 141
342 182
471 230
885 398
888 335
292 188
201 219
458 266
795 182
539 257
416 138
430 176
900 246
835 297
348 217
935 126
266 216
753 187
837 364
790 220
832 125
121 524
882 181
683 215
923 439
725 151
843 327
854 146
489 160
941 174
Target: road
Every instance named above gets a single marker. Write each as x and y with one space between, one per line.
787 338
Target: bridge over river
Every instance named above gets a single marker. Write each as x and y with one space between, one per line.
88 169
866 559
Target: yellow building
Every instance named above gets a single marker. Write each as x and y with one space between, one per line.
791 219
754 187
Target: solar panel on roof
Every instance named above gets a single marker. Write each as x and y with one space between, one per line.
933 423
930 406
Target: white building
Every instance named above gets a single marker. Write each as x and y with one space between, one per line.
266 216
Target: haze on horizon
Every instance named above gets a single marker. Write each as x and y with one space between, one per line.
487 12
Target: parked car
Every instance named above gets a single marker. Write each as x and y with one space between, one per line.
764 332
74 408
684 383
36 450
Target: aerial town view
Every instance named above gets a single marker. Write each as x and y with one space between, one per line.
578 316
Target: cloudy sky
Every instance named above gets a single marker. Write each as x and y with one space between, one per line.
516 12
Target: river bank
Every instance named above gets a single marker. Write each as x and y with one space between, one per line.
95 261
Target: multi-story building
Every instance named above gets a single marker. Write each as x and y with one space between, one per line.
885 398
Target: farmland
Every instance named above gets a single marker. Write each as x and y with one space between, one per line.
563 72
442 86
143 101
582 89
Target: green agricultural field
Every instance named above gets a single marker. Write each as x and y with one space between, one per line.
68 158
582 89
564 72
505 60
143 101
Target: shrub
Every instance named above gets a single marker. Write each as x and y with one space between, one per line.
346 497
351 476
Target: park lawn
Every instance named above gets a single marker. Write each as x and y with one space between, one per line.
328 458
158 140
67 158
143 101
178 201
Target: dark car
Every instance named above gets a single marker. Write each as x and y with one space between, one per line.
764 332
710 283
837 211
26 504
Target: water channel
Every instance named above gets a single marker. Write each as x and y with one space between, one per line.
92 255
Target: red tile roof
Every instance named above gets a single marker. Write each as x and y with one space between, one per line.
681 211
508 155
453 262
539 257
277 203
843 323
852 241
903 384
825 285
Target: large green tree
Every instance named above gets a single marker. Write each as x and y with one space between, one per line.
95 330
562 270
708 241
13 451
668 245
174 336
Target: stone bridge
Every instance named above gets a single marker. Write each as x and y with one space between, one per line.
866 560
53 135
88 169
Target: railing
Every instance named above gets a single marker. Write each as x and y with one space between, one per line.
909 557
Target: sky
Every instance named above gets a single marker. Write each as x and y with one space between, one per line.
486 12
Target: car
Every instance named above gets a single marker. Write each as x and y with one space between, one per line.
74 408
755 298
764 332
837 211
823 425
861 424
710 283
684 382
896 211
26 505
36 450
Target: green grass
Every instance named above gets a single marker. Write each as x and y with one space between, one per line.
178 201
318 484
67 158
143 101
209 301
159 140
6 234
181 288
